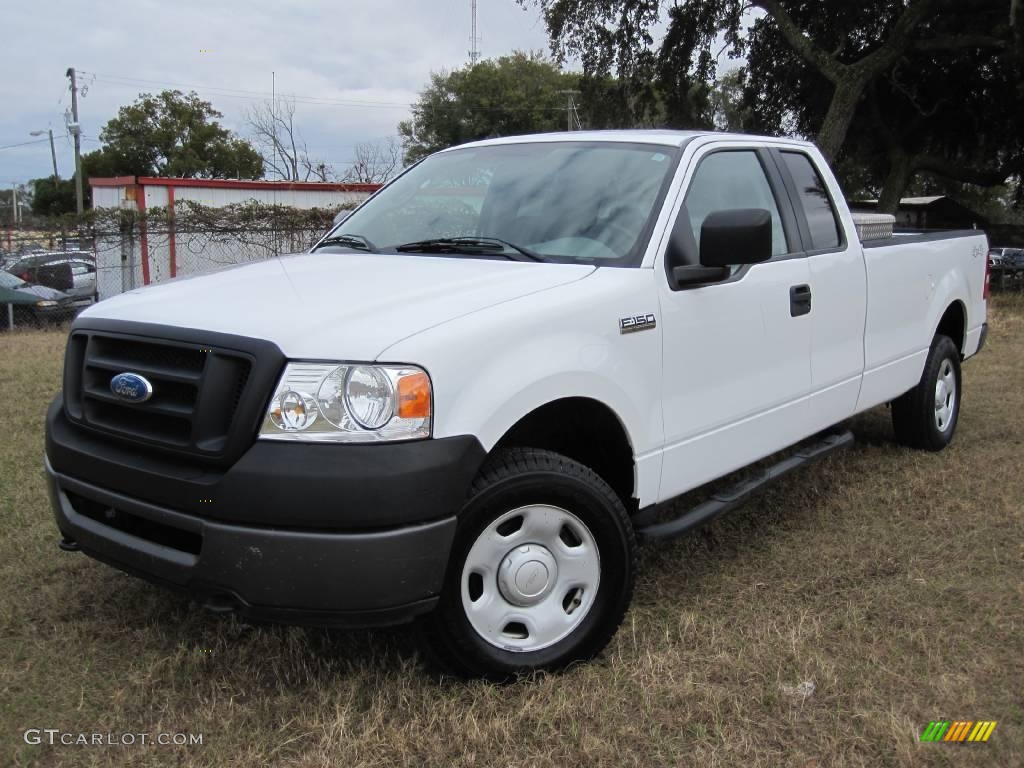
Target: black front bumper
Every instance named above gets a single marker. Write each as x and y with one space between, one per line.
341 535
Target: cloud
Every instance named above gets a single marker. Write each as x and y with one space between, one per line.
358 63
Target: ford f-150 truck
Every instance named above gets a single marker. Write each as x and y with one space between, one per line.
473 397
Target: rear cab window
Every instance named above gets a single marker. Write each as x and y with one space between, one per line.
814 200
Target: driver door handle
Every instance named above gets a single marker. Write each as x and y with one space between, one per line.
799 300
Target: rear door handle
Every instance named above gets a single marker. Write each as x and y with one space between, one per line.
799 300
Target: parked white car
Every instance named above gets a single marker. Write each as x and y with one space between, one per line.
484 385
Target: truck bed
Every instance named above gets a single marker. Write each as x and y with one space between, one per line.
907 288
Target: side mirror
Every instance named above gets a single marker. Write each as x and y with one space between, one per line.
738 236
727 238
682 257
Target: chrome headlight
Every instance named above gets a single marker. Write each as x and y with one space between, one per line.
349 403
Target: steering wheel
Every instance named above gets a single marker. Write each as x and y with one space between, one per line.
613 233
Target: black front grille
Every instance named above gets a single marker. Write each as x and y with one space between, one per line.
198 390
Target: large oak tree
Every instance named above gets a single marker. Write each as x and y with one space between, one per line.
824 68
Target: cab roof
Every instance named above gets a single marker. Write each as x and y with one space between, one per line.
659 136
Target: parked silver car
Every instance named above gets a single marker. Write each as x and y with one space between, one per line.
83 274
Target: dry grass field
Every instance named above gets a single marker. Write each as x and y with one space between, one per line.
891 580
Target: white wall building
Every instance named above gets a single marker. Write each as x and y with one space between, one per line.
151 256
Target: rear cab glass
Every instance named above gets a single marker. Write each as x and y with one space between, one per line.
814 199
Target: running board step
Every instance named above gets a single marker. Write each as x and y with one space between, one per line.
731 497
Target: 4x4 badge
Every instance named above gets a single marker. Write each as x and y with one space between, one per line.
637 323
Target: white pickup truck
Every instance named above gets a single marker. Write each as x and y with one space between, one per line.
473 397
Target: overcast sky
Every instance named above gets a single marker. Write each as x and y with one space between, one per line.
363 60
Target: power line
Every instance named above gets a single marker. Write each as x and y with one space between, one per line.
34 141
233 93
239 93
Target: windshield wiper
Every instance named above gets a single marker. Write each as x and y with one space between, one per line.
349 241
470 245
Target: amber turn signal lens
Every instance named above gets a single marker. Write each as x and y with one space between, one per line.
414 396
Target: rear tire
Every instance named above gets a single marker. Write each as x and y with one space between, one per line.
541 571
926 416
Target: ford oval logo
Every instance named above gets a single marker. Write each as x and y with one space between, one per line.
131 387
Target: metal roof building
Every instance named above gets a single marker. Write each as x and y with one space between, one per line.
151 192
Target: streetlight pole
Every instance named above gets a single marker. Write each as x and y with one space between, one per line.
56 180
53 151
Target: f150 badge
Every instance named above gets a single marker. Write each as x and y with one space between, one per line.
637 323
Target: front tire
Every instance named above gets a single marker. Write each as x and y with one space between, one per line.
541 572
926 416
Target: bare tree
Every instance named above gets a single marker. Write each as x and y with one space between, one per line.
374 162
285 154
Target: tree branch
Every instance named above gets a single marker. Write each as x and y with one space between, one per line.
899 39
969 173
284 152
825 63
957 42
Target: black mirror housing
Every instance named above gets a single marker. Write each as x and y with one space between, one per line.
692 276
737 236
682 245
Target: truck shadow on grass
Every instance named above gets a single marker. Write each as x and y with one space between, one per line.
799 503
104 606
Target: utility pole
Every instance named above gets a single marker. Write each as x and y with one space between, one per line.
273 113
570 108
76 130
474 41
14 203
53 151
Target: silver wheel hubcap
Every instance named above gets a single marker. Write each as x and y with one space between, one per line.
530 578
945 396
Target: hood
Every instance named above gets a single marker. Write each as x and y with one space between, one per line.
14 296
348 306
41 292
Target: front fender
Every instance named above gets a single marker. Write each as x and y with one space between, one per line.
492 368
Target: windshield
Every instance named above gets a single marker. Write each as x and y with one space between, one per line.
561 201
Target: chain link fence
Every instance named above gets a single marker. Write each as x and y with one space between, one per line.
129 249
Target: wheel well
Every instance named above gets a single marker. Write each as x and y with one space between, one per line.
584 430
954 325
